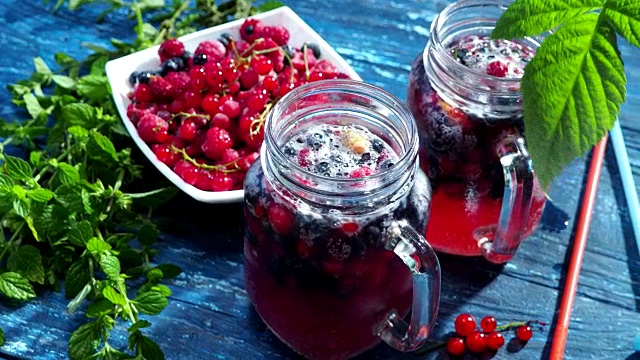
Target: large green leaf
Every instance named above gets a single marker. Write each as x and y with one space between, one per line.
572 92
624 15
533 17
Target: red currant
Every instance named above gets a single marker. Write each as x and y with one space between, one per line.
270 83
249 79
524 333
280 218
188 130
477 342
192 99
256 103
230 108
488 323
221 120
210 104
465 324
262 65
495 340
455 346
165 154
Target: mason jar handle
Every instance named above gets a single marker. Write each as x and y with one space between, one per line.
417 254
516 201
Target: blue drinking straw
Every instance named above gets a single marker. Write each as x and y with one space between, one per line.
626 175
629 188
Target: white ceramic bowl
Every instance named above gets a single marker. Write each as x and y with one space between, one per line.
118 72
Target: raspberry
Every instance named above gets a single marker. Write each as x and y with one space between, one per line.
179 81
250 30
143 93
162 89
214 50
497 68
170 48
280 218
153 129
218 140
279 34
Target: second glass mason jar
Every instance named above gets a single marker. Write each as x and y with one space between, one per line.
333 264
464 92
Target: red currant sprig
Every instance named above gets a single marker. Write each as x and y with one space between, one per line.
468 337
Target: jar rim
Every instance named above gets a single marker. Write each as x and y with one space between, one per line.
272 134
446 14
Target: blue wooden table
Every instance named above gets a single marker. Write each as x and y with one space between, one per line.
209 315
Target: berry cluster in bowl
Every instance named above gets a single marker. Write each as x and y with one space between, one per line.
196 106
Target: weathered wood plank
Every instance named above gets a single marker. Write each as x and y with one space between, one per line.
209 315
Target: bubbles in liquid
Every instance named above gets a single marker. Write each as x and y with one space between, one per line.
340 151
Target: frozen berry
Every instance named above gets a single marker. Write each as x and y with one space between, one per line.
279 34
179 81
455 346
218 181
281 219
524 333
162 89
217 141
465 324
488 324
497 68
188 129
171 65
495 340
171 48
214 50
230 108
251 30
476 342
229 156
153 129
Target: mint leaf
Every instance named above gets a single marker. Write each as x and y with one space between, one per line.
17 168
68 174
148 234
140 324
81 233
96 88
33 106
1 337
110 265
98 66
27 261
77 277
100 147
84 341
572 91
533 17
169 271
112 295
150 349
80 114
64 81
97 246
41 66
14 286
624 15
150 302
40 195
99 308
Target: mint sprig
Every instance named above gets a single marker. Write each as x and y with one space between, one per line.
574 86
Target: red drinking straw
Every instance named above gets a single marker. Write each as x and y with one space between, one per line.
579 245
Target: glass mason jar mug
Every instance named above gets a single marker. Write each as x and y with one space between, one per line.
464 92
333 264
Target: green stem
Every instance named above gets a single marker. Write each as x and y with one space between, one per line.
13 238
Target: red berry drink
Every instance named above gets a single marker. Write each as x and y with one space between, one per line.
464 95
318 263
